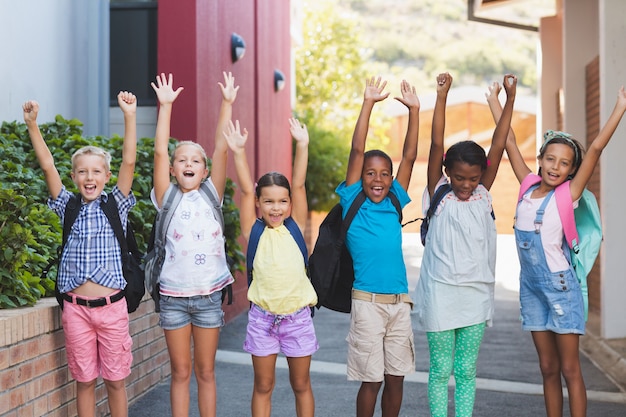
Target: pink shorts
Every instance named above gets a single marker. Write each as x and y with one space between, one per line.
97 341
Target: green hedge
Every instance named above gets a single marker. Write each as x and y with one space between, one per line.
31 233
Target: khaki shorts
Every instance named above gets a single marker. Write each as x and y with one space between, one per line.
380 341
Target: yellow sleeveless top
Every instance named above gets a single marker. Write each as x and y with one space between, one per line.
280 284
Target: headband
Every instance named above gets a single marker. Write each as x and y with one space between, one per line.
555 134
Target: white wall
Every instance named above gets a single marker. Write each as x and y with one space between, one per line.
613 199
56 52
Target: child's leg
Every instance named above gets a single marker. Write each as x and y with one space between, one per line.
468 340
204 348
570 367
366 398
86 398
549 363
441 348
179 348
118 401
264 381
391 400
300 380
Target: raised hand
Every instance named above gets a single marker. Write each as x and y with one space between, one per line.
409 96
127 102
229 91
510 85
298 131
492 92
164 90
444 82
235 138
374 89
31 109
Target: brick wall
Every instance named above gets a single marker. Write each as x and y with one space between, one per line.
34 379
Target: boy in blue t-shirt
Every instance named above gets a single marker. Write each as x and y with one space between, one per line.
380 341
90 277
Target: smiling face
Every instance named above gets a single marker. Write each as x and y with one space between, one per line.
188 167
376 177
90 173
274 204
556 164
464 178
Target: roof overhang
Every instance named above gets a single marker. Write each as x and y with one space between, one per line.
516 14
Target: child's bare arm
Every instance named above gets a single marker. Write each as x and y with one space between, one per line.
128 104
409 151
44 156
498 142
166 96
597 146
299 205
518 164
435 156
236 140
373 93
220 154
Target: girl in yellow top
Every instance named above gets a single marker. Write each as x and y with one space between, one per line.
281 294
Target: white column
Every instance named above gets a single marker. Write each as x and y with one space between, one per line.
612 14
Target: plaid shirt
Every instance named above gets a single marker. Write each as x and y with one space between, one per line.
92 251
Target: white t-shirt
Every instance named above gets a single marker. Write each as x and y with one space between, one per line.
195 259
551 229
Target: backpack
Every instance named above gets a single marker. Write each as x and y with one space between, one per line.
330 265
582 228
255 235
156 245
132 266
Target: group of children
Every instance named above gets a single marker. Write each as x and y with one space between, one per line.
455 294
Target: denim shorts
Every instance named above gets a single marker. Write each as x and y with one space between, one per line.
292 334
552 302
199 310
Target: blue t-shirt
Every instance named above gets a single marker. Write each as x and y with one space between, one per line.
375 241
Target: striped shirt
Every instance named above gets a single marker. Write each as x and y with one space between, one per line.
92 251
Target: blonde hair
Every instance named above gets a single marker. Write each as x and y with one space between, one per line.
92 150
196 145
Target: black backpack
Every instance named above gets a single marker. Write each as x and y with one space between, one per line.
434 202
330 265
132 259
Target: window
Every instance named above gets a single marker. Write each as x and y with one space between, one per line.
133 43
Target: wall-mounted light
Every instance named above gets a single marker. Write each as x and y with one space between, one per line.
279 80
237 47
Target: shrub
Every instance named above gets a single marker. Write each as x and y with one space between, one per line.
31 233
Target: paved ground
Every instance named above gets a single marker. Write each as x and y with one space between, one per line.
509 382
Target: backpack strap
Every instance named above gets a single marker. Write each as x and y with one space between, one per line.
440 193
112 212
71 213
527 182
211 197
565 207
171 198
255 235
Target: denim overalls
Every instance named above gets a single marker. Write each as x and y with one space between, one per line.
549 300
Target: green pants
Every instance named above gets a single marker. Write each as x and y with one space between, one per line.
456 350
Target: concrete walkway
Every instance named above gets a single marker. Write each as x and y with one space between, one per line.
508 384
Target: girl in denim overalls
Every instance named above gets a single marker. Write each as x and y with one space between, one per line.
551 301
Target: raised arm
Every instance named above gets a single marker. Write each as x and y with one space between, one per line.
44 156
166 96
373 93
128 104
299 205
498 141
247 209
435 156
520 169
220 154
409 151
597 146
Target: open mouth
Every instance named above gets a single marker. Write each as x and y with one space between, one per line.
189 174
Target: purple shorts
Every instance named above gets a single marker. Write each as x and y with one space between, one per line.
292 334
